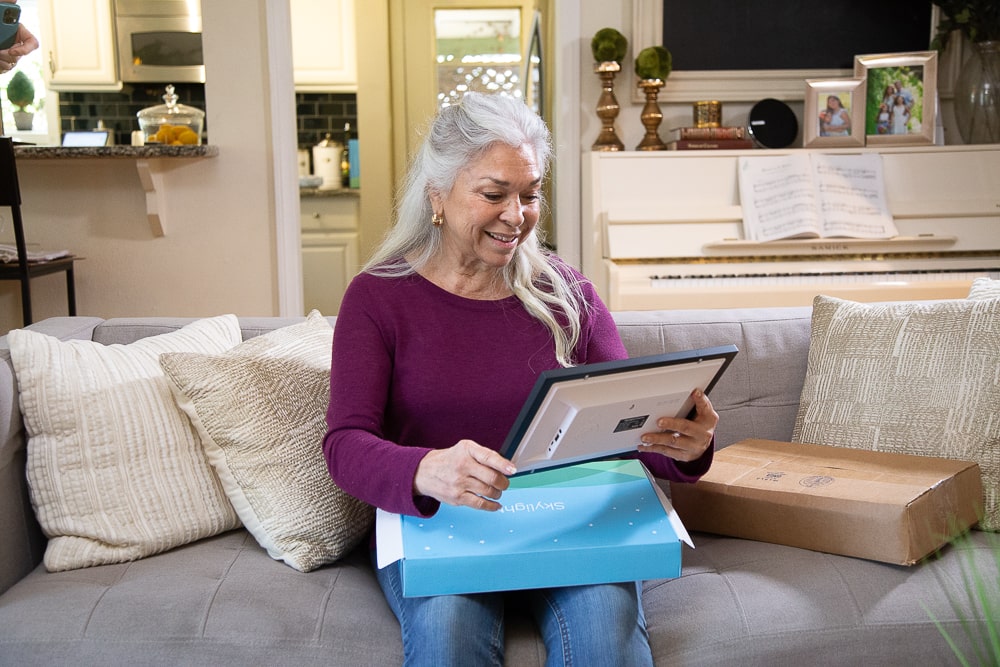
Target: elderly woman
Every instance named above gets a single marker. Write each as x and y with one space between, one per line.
438 342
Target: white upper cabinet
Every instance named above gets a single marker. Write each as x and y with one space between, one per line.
323 45
79 43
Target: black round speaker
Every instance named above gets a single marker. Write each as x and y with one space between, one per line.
772 124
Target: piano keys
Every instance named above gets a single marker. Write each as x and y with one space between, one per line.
643 287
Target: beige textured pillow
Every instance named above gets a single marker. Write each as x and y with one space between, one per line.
916 378
261 411
985 288
115 470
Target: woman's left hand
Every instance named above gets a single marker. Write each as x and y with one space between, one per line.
684 439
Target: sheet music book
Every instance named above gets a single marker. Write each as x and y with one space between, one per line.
814 195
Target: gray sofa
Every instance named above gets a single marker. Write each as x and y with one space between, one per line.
222 600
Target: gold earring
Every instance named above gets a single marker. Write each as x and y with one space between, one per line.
437 219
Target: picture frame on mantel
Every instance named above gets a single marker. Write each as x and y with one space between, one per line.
901 97
685 86
834 113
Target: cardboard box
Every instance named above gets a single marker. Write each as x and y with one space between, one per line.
595 522
894 508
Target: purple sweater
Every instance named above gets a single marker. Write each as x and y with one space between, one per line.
417 368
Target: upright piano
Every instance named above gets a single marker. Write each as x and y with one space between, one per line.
663 229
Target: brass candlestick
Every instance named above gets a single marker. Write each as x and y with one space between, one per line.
607 108
651 116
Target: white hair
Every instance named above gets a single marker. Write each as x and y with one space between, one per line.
459 135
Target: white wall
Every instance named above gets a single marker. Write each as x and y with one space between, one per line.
219 254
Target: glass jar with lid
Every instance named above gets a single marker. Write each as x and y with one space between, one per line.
171 124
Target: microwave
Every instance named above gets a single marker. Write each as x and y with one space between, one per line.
159 41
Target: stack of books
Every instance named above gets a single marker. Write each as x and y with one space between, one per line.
712 138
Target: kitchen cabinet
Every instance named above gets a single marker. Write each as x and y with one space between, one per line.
330 248
323 46
79 42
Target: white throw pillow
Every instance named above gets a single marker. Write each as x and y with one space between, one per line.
985 288
260 409
909 377
115 469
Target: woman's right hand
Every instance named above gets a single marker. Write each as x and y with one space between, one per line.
464 474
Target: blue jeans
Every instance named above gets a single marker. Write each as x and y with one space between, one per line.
581 625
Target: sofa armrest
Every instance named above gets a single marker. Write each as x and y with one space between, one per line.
21 541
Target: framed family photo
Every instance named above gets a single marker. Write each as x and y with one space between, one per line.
834 113
901 97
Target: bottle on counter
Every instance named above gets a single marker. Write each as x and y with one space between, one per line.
355 163
326 163
345 158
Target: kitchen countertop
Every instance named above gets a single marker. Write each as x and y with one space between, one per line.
151 162
134 152
338 192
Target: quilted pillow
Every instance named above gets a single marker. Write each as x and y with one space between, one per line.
261 411
910 377
985 288
116 471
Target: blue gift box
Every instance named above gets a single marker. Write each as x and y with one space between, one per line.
596 522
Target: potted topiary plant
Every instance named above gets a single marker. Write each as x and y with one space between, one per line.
608 48
21 93
652 67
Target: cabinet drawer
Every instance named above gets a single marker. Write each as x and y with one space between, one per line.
330 213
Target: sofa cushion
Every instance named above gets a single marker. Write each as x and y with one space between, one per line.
741 602
911 377
218 602
115 469
260 411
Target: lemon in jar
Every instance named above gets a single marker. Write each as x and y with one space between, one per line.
164 135
187 137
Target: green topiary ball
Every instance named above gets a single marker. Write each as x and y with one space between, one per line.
20 90
608 44
654 62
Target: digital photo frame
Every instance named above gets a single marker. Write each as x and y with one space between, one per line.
601 410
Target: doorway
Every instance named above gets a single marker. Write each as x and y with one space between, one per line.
454 46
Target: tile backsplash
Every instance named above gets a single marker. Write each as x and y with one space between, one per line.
83 111
317 113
